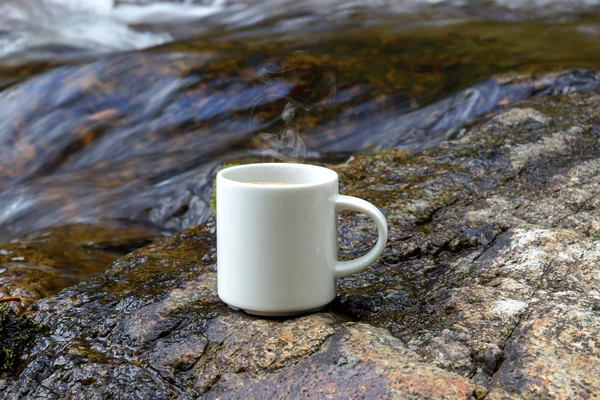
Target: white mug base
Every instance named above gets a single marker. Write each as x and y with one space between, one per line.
278 313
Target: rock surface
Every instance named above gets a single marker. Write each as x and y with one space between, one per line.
489 288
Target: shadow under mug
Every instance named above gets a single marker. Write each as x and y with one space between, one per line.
277 241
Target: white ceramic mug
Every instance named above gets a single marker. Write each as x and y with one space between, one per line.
277 243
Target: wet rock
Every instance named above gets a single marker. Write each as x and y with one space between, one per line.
360 361
488 288
519 116
553 353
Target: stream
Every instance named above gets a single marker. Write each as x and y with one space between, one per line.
120 113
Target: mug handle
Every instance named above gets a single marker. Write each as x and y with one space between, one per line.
349 203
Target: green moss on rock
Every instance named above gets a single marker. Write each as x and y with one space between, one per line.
16 332
213 195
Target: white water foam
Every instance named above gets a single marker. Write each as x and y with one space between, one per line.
35 26
30 26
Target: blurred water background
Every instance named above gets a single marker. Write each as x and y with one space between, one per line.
120 111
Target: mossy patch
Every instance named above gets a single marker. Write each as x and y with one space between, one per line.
16 332
213 195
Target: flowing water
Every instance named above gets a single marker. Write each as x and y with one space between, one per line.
124 110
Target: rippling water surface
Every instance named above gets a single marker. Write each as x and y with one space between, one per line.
124 110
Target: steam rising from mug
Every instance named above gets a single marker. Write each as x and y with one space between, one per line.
287 145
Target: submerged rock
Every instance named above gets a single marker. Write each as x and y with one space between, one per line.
488 288
42 263
139 136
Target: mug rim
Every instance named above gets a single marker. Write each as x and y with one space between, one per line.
328 175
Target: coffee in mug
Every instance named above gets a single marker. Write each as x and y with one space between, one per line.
271 183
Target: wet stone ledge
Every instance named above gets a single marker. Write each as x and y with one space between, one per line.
489 288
